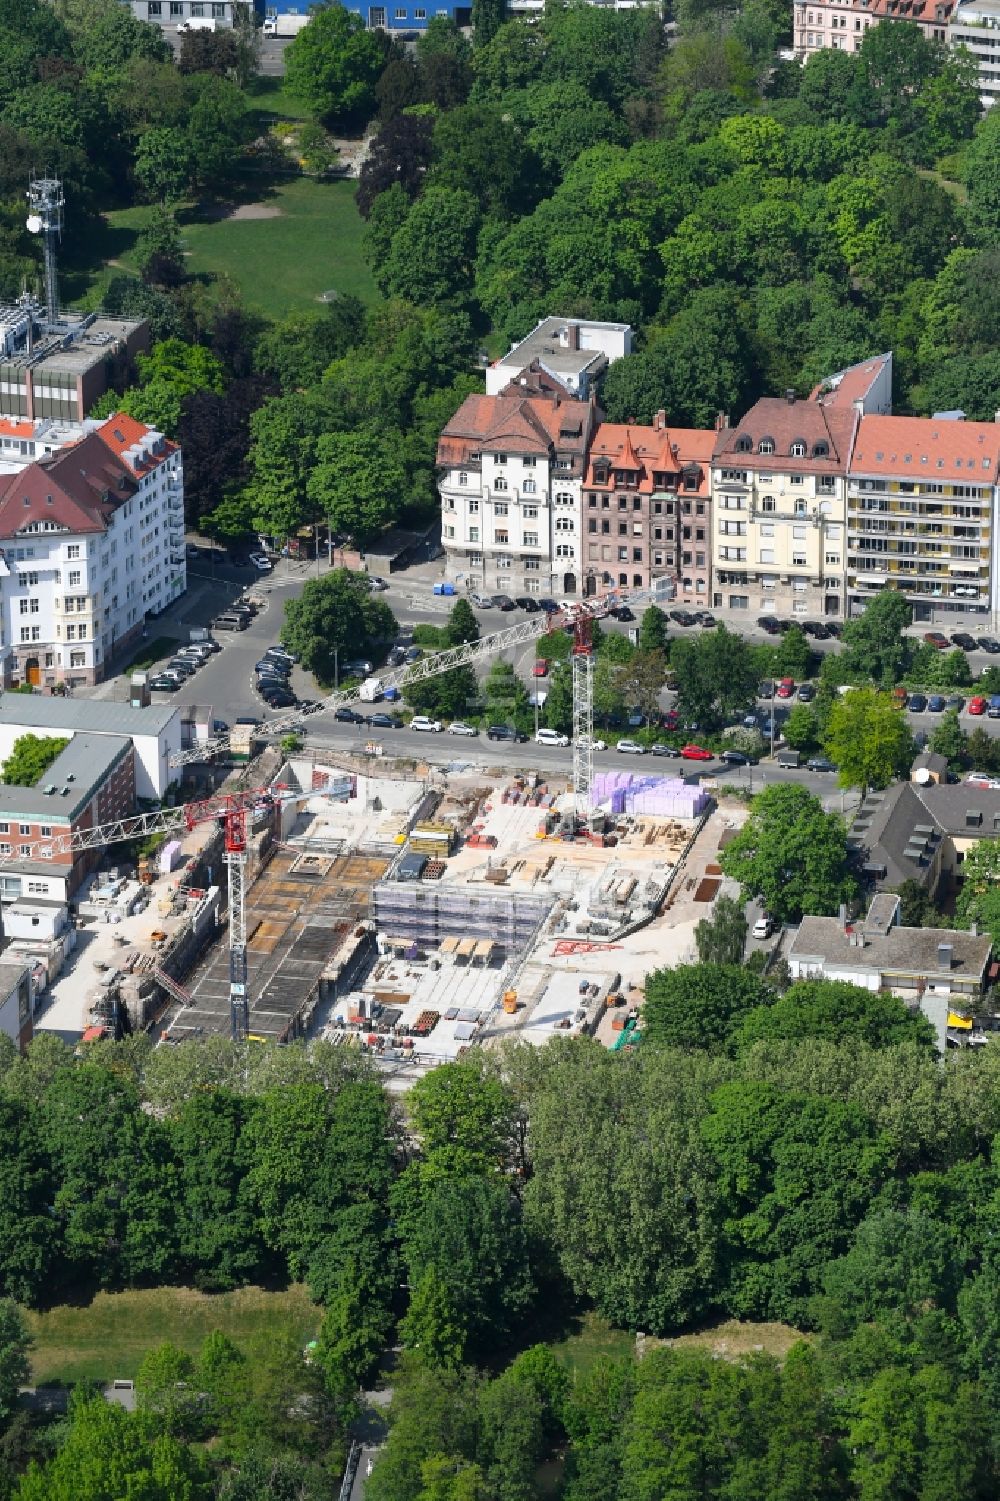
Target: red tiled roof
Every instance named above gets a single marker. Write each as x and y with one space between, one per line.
515 424
660 450
932 447
853 384
121 432
783 423
9 428
77 489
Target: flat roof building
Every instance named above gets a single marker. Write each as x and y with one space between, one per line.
155 732
574 352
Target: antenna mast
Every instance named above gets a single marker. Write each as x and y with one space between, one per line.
45 217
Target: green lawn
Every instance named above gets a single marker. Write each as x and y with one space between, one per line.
106 1339
594 1339
311 245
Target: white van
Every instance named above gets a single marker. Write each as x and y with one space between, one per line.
550 737
763 927
195 23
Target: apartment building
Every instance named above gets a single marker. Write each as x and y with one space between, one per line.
841 24
572 353
511 472
976 26
169 14
778 495
91 543
921 502
647 509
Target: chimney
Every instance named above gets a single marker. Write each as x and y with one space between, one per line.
721 421
944 955
973 930
660 421
843 915
790 397
996 415
573 335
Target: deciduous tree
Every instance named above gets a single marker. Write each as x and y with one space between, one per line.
336 613
701 1005
333 67
868 739
791 854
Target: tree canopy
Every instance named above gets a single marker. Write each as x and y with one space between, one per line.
791 854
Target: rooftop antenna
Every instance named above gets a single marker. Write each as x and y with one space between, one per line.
45 217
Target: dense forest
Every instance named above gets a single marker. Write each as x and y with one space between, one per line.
799 1156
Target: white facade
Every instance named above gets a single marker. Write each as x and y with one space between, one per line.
155 733
976 26
168 14
573 351
70 598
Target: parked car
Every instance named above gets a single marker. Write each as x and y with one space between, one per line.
159 683
977 704
549 606
348 716
662 749
936 639
820 763
459 727
540 669
182 665
527 604
766 688
505 732
382 721
769 624
695 753
550 737
834 628
258 561
412 654
376 585
230 621
359 669
763 927
481 601
706 619
597 745
993 707
621 612
396 657
935 704
279 698
631 748
954 703
785 688
682 617
917 703
988 643
737 758
806 693
964 640
279 651
503 602
669 720
424 723
273 666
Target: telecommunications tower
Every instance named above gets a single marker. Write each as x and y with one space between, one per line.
45 218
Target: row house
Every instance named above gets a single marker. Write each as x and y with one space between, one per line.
841 24
511 470
921 513
91 543
647 509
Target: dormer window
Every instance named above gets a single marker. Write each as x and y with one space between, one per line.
798 449
766 445
821 450
744 444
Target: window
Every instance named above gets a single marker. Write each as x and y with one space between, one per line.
22 606
531 539
637 555
473 507
501 538
800 508
799 533
833 559
529 487
767 504
743 445
463 478
798 449
419 14
531 513
25 850
70 633
473 534
74 578
153 9
767 529
499 458
36 632
766 555
798 560
25 633
499 482
46 831
564 550
500 509
766 445
27 580
24 828
400 13
449 532
504 560
563 498
532 563
529 463
623 554
564 523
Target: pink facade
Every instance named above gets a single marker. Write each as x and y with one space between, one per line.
841 24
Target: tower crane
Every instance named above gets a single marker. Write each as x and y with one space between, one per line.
580 616
232 810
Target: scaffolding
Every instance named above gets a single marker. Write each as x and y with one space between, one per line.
428 915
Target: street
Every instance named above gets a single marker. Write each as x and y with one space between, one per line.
226 683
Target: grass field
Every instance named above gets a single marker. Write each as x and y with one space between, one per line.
311 243
106 1339
596 1338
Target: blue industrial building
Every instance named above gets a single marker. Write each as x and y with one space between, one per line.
395 16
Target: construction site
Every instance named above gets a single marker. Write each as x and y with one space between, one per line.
411 913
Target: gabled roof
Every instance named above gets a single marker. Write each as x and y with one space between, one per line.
650 450
826 432
530 425
852 384
122 433
933 448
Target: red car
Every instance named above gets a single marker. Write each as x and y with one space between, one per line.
785 688
696 753
977 705
540 669
935 638
670 720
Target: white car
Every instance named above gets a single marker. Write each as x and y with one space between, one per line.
481 601
422 722
596 745
458 727
550 737
376 584
631 748
258 561
763 927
